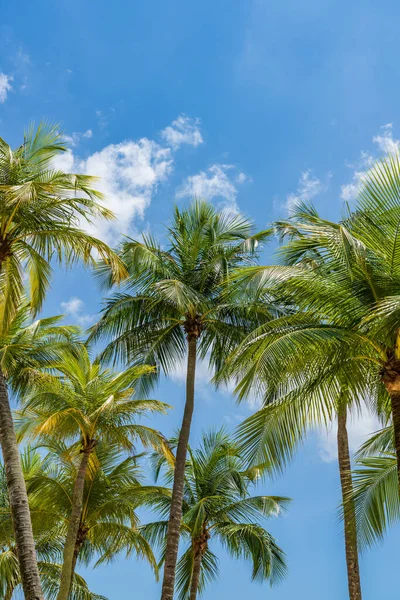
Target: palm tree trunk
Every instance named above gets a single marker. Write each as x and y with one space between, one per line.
395 401
74 523
18 500
173 534
194 584
80 539
349 517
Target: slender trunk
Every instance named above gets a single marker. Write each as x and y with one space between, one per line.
390 377
80 539
175 517
18 500
395 398
74 523
350 533
194 584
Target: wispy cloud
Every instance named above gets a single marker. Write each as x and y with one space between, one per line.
75 308
184 130
386 144
75 138
309 187
5 86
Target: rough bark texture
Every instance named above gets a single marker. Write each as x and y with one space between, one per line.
194 584
175 517
390 375
200 545
395 398
18 500
80 540
350 534
74 523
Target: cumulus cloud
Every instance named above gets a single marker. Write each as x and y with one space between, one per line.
129 174
64 161
131 171
219 181
385 144
184 130
5 86
359 428
75 308
309 186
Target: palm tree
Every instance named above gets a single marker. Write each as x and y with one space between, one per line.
46 534
309 364
84 404
113 491
40 217
217 505
177 302
27 347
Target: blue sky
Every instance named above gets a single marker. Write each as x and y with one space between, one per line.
249 103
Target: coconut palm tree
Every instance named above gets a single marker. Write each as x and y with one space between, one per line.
113 491
218 505
178 303
308 364
41 213
47 538
26 348
83 405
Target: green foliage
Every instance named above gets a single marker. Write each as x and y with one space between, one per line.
47 532
42 215
79 402
184 285
218 506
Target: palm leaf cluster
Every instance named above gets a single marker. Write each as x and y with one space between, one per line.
218 507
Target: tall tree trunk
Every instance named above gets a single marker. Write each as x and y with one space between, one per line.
175 517
80 539
18 500
395 398
194 584
390 376
350 533
74 523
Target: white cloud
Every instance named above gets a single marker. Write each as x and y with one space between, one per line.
359 428
184 130
385 141
309 186
385 144
5 86
77 136
214 183
64 161
74 307
129 174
